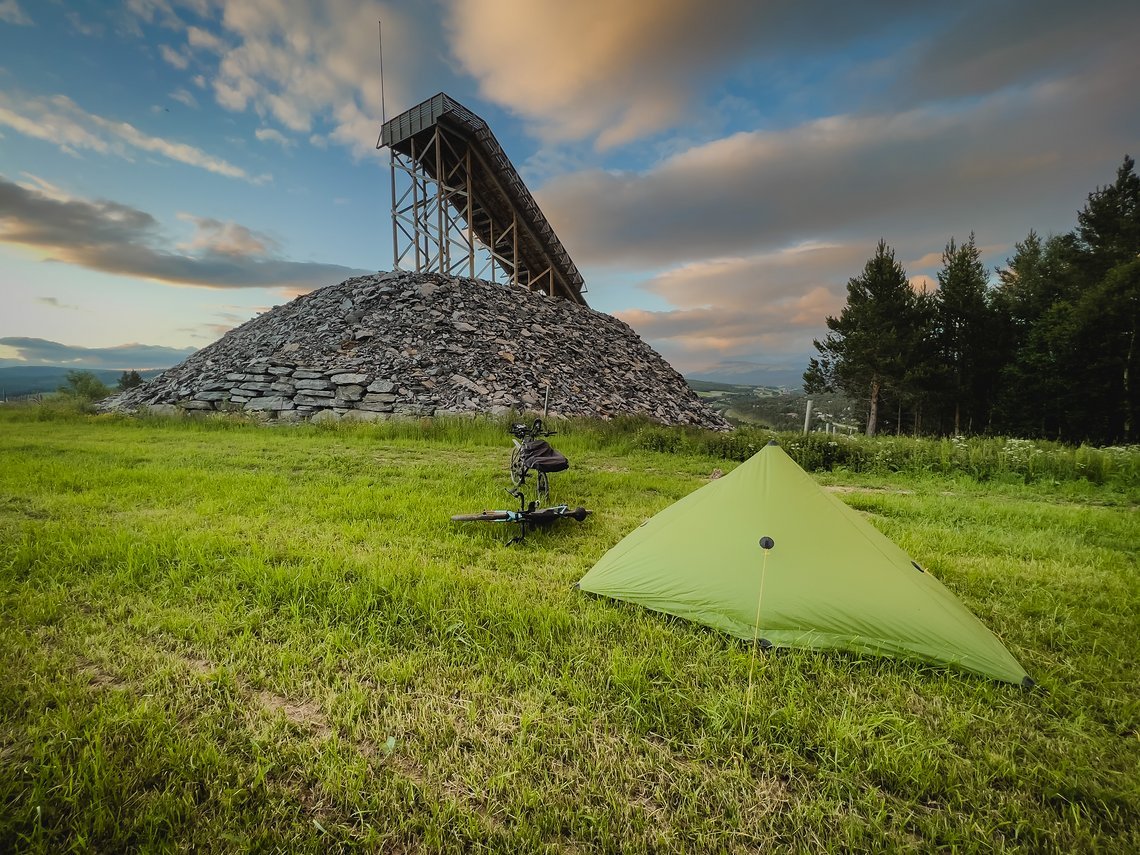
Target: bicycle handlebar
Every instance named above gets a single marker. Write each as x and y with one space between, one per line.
530 432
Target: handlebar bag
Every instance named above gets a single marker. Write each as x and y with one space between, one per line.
540 456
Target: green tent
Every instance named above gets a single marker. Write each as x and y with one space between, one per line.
830 579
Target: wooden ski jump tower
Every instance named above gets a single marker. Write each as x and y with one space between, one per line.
460 208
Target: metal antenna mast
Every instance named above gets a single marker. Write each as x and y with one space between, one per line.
380 38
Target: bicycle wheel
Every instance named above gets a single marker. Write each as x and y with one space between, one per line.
485 516
518 473
542 488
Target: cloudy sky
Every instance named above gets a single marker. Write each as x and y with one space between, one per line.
717 169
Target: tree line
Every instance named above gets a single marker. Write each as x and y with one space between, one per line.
87 386
1046 349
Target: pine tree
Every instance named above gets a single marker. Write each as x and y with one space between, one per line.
129 379
965 332
1108 227
1106 314
875 338
1072 309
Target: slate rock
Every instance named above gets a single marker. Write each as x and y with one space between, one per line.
443 344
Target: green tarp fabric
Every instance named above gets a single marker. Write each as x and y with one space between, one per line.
832 580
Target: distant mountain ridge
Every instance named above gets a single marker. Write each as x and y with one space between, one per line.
779 371
18 380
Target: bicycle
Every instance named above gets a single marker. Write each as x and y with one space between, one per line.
531 453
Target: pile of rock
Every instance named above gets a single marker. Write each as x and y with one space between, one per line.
424 344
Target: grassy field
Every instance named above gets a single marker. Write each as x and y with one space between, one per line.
231 638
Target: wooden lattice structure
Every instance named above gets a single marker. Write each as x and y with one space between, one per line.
460 208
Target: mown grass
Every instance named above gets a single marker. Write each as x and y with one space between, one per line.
225 637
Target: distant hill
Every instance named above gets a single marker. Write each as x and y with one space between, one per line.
773 407
736 388
785 371
19 380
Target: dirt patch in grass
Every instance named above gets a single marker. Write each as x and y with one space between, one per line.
305 714
100 678
201 667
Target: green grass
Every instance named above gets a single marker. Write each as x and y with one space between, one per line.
229 638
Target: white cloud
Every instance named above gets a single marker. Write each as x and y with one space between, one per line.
309 66
615 72
39 351
274 136
11 13
152 11
44 187
593 67
183 96
173 57
115 238
987 165
297 68
227 238
90 29
732 306
62 122
197 37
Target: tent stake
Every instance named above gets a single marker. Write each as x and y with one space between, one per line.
766 543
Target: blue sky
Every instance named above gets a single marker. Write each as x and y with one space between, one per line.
717 170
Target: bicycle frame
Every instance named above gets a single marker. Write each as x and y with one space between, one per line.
529 514
521 434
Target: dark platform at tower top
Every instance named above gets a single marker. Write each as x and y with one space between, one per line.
460 187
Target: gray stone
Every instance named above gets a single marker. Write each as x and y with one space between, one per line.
413 410
445 343
313 399
276 403
349 393
324 417
362 416
460 380
349 379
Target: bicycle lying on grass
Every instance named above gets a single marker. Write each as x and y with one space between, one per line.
531 454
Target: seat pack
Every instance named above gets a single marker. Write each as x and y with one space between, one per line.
539 455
